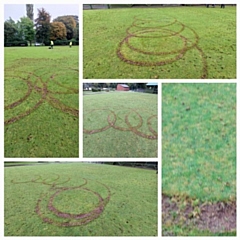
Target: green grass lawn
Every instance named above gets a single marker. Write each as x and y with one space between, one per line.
160 43
47 200
199 142
41 102
120 124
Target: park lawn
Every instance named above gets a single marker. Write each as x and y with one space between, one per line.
41 102
199 142
132 202
120 124
208 34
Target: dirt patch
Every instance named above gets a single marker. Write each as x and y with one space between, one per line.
215 217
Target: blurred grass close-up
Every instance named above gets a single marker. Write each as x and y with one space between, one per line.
147 42
80 199
199 142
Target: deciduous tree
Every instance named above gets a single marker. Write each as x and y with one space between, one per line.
26 29
58 31
42 23
70 24
76 32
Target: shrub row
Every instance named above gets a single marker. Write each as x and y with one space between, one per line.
61 42
152 165
16 44
96 90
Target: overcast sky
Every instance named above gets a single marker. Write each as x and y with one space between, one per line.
16 11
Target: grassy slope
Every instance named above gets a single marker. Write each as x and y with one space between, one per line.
133 202
47 131
199 145
113 142
215 27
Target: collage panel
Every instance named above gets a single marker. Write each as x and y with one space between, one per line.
120 120
199 159
64 198
41 80
159 41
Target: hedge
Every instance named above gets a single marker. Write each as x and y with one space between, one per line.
61 42
16 44
96 90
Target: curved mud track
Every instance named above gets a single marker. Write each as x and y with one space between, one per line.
49 213
111 122
37 85
158 31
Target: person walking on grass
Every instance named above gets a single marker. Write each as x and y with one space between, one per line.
70 44
52 44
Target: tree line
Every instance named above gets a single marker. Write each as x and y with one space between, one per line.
41 30
132 86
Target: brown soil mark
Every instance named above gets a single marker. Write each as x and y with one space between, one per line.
215 217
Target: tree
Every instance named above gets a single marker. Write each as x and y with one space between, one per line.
42 23
76 32
10 31
75 17
29 8
26 29
113 85
141 85
57 31
70 24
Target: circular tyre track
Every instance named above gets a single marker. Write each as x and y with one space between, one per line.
159 32
40 87
111 120
45 204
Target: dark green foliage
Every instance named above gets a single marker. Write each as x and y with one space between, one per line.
29 8
96 90
16 44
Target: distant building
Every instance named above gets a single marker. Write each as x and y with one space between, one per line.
122 87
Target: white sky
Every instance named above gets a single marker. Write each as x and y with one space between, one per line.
16 11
